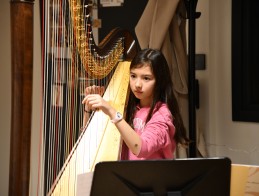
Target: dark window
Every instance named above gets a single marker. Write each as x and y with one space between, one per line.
245 60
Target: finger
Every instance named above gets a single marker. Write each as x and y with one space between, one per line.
87 90
102 90
92 89
97 90
94 101
84 100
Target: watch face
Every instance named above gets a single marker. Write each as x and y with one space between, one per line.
119 115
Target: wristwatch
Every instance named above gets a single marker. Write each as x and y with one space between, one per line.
118 117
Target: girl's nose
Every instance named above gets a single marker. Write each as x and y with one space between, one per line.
138 83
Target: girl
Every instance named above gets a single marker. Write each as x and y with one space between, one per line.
153 125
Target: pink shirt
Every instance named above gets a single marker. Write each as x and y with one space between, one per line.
157 135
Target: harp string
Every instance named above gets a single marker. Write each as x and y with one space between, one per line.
71 63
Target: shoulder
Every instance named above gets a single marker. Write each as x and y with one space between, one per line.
162 112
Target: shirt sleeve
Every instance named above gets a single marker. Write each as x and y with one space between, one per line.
155 136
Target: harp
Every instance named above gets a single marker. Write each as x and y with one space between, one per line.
73 61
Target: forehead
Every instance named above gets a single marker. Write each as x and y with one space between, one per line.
142 68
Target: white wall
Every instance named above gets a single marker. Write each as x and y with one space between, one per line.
237 140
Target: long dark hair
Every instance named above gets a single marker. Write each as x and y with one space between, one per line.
163 91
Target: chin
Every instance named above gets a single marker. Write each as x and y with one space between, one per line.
137 95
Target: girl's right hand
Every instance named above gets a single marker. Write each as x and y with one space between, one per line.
96 102
92 90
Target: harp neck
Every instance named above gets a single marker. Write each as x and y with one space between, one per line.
98 61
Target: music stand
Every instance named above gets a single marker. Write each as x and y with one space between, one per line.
179 177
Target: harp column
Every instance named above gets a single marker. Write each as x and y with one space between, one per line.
22 66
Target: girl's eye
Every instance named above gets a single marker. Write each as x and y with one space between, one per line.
146 78
132 76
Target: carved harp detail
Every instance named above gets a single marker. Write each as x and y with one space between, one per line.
72 61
